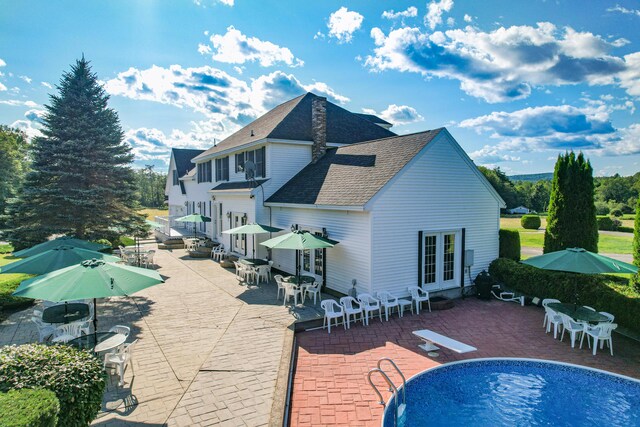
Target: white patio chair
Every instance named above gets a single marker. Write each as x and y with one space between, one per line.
332 310
148 258
122 358
218 253
418 296
240 271
574 328
403 303
262 272
121 329
388 302
280 283
122 252
347 304
313 289
67 332
553 318
369 305
609 316
45 330
270 267
545 302
588 308
291 290
601 333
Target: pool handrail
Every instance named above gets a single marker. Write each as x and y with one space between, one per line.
391 386
404 381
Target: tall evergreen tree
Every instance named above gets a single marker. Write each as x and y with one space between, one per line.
13 165
572 213
81 181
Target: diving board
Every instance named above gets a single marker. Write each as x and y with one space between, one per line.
431 338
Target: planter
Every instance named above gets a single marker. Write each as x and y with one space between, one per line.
441 303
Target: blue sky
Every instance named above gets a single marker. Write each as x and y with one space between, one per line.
515 82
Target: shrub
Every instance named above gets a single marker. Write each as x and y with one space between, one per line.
602 208
530 222
624 229
8 284
602 291
617 213
635 282
29 408
608 224
76 377
510 244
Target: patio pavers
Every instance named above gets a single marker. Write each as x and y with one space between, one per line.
330 386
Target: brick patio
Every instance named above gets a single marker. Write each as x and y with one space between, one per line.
330 386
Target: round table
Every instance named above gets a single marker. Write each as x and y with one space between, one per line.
303 279
65 313
578 312
105 341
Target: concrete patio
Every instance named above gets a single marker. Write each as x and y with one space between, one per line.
211 351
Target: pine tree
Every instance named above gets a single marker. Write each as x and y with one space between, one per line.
81 181
636 236
572 213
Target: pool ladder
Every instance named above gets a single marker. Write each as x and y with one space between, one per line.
399 408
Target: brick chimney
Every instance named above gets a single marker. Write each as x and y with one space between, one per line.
318 128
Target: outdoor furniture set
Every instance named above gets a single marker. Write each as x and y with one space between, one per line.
579 322
137 256
366 305
253 270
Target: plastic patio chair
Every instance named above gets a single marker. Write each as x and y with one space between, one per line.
387 301
44 329
369 305
347 304
262 272
148 259
67 332
332 310
545 302
291 290
122 358
609 316
313 289
121 329
553 318
600 333
574 328
280 283
418 296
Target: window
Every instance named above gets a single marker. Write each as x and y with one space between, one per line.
175 177
204 172
239 240
239 162
441 259
222 169
430 259
312 261
318 259
261 171
255 156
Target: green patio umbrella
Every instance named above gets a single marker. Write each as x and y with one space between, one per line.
64 240
153 223
194 218
299 240
54 259
252 228
89 279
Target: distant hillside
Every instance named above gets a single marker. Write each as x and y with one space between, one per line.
532 177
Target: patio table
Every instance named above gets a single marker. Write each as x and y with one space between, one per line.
105 341
304 280
65 313
578 312
253 262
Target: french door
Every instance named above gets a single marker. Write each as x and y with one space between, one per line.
440 261
239 240
312 261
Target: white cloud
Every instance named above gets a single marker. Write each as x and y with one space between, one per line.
624 10
2 87
2 63
204 3
36 116
47 85
435 10
32 124
26 79
467 18
343 23
397 114
18 103
234 47
410 12
506 63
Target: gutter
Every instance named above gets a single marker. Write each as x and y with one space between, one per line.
325 207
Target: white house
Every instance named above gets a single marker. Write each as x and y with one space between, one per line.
520 210
398 205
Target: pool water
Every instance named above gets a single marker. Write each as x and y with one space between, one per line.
512 392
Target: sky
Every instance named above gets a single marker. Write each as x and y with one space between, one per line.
516 83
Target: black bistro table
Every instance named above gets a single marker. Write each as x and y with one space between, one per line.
99 341
65 313
303 280
578 312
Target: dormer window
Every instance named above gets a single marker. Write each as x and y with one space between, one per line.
222 169
204 172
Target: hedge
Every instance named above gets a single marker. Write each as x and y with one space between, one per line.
75 376
29 408
530 222
509 244
605 292
624 229
607 223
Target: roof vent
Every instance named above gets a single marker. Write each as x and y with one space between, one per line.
252 132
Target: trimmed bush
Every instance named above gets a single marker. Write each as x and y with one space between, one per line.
76 377
605 292
530 222
617 213
510 244
635 282
607 223
29 408
624 229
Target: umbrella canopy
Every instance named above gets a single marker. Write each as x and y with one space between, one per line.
54 259
64 240
88 279
153 223
299 240
578 260
254 229
194 218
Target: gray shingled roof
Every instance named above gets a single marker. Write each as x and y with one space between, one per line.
353 174
182 157
373 118
238 185
292 121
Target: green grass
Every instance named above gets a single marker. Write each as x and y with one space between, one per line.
152 212
606 243
8 284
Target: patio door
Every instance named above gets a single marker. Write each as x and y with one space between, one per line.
440 259
239 240
312 261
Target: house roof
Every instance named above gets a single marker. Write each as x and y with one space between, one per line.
241 185
292 121
373 118
351 175
182 158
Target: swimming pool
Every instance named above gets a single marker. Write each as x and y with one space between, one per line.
517 392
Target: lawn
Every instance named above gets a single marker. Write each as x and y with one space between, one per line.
152 212
607 243
8 284
514 223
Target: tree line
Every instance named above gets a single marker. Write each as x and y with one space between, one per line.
616 195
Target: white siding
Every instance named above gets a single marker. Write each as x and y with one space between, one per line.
346 261
239 204
437 191
284 161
